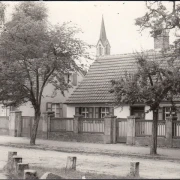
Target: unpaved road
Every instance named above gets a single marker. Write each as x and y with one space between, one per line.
103 164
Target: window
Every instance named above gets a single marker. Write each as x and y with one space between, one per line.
104 111
85 112
71 78
67 77
94 112
169 112
56 108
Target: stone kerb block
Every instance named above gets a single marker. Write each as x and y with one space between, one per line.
134 169
9 166
71 163
21 167
16 160
49 175
30 174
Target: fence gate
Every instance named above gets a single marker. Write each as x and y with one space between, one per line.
26 126
121 130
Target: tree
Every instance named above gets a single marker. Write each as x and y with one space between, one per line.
33 54
160 17
162 83
155 80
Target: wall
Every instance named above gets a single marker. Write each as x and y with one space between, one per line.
81 137
145 141
4 125
148 115
27 109
122 112
58 98
48 96
70 111
4 111
176 143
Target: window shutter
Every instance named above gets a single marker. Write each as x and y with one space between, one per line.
163 112
97 112
77 111
111 111
48 106
74 82
90 112
178 113
61 110
160 113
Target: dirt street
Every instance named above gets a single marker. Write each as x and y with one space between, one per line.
149 168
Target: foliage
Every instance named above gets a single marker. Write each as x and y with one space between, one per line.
154 81
34 54
160 16
2 12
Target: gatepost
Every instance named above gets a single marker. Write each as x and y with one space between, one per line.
169 132
131 120
76 123
46 122
110 129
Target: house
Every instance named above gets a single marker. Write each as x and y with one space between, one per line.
50 101
92 98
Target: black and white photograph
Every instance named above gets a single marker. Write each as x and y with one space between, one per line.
89 90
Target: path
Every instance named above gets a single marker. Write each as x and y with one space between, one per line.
111 149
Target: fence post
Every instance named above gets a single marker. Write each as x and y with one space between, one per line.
15 123
76 124
48 115
169 134
46 122
110 129
131 129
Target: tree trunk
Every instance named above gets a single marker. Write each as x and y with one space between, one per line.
153 147
35 127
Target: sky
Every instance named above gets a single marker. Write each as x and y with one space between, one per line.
119 18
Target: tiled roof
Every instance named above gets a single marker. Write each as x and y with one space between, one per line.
96 84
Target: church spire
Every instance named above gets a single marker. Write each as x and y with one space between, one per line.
103 46
103 31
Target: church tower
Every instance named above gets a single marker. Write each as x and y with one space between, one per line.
103 47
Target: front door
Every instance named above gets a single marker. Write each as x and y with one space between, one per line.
138 111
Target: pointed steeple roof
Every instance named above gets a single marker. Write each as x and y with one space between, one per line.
103 37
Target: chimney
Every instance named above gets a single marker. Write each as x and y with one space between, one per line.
161 42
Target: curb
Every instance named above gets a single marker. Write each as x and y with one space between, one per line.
68 150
